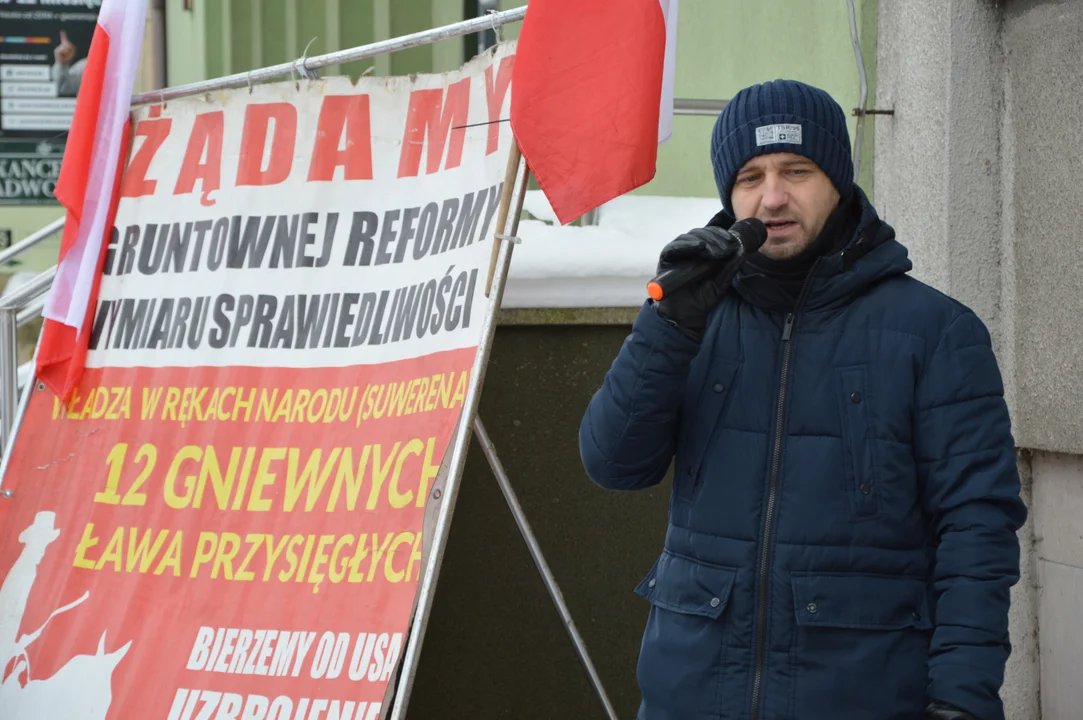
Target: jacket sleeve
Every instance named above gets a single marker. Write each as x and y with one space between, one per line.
971 492
627 435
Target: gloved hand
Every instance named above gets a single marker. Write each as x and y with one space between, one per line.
688 307
937 710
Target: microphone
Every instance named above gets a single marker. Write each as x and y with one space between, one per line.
750 233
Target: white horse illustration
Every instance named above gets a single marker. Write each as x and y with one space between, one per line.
82 688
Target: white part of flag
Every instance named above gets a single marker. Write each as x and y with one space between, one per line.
665 114
124 21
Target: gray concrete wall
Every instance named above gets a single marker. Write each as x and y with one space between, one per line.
1042 147
1044 82
1022 689
978 170
937 162
1058 509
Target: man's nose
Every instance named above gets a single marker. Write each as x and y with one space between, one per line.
775 196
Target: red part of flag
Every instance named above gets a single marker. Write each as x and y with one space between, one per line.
586 89
63 348
79 148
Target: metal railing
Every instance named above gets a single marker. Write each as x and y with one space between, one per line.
30 241
18 308
30 299
308 67
859 133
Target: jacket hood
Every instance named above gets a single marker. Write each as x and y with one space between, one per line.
871 255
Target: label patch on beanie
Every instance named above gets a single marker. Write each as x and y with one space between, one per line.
771 134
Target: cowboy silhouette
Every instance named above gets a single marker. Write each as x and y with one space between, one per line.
82 688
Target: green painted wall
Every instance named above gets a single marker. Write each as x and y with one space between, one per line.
411 16
186 43
357 27
725 45
230 36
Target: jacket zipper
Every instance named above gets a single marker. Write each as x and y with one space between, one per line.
772 497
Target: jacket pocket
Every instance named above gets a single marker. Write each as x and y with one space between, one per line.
861 486
683 650
861 644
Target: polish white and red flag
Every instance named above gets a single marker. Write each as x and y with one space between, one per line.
592 96
88 189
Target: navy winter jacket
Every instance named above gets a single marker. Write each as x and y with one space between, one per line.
842 535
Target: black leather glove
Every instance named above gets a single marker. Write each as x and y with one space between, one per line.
937 710
688 307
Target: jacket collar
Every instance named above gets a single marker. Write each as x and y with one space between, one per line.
871 255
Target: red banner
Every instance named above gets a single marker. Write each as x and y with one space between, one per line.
226 518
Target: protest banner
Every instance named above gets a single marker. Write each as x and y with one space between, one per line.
225 519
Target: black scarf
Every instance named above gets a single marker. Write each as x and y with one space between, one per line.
789 274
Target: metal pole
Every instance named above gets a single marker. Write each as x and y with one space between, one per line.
690 106
859 133
20 296
9 378
543 566
11 408
32 311
290 69
459 447
8 440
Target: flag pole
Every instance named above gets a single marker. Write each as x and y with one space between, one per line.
510 174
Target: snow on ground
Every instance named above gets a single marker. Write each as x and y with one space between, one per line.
603 265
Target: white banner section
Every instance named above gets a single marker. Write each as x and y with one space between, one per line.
308 224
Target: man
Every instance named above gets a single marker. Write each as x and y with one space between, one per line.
67 76
842 536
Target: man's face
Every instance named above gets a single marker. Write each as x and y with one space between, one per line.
790 194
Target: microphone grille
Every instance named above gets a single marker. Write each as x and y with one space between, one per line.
751 232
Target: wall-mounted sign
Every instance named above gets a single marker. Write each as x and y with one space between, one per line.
43 51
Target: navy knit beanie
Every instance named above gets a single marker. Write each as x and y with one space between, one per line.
781 116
